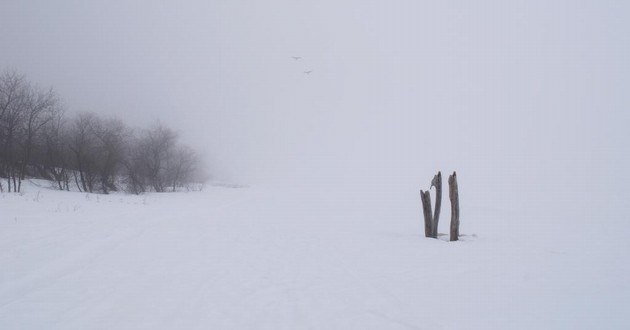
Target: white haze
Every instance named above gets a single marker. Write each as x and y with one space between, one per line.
527 100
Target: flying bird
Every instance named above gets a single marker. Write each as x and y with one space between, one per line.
308 72
296 57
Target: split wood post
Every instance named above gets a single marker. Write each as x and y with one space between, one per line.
425 196
454 197
437 183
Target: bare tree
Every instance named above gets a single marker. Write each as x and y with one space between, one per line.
133 164
56 154
82 144
39 109
24 111
110 138
158 145
156 161
13 92
183 167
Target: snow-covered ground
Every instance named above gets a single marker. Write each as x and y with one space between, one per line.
303 258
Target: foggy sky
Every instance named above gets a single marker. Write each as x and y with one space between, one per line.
525 96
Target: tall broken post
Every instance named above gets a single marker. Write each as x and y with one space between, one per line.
437 183
425 196
454 197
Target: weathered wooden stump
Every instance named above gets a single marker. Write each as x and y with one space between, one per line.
425 196
437 183
454 197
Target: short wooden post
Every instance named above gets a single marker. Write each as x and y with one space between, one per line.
437 183
454 197
425 196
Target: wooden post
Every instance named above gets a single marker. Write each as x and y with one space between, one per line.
437 183
454 197
425 196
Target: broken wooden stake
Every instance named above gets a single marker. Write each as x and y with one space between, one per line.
425 196
454 197
437 183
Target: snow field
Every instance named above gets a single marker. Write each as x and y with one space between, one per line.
290 258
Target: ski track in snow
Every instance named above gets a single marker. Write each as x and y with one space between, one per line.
257 258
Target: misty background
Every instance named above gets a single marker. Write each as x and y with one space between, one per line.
527 100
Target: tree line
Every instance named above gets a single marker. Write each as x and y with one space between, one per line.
86 152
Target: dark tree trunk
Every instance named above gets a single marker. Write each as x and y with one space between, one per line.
425 196
454 196
27 157
437 183
14 174
76 180
83 183
104 185
9 179
66 181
